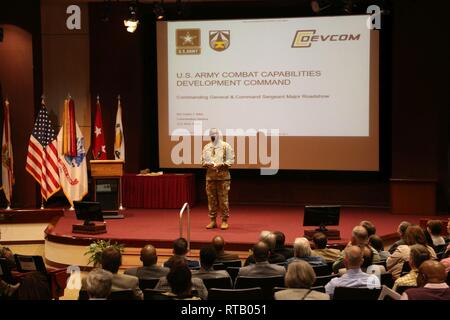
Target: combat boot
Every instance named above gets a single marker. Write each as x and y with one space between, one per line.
224 225
212 224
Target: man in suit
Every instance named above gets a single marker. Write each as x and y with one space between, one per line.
180 249
261 267
401 230
270 240
207 258
219 245
320 248
111 261
280 247
150 269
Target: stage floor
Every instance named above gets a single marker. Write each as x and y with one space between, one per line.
161 226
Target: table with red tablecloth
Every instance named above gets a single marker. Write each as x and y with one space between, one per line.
167 191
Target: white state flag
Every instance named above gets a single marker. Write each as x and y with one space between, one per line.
119 141
73 170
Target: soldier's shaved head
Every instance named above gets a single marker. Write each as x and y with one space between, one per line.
148 255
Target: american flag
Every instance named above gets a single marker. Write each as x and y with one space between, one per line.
42 157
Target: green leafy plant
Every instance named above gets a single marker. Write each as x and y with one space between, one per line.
96 248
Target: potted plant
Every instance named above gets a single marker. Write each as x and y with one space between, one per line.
96 248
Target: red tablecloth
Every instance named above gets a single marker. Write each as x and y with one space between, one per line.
168 191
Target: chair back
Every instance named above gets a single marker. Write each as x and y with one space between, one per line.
231 263
83 295
29 263
387 279
152 294
219 266
323 280
320 289
233 272
221 283
235 294
121 295
5 271
401 289
406 267
321 270
265 283
344 293
149 283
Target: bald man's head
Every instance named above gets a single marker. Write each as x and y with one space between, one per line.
261 251
431 271
218 243
148 255
353 258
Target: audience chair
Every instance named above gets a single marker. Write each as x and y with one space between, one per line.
221 283
149 283
219 266
231 263
401 289
233 272
321 270
344 293
387 280
265 283
323 280
235 294
121 295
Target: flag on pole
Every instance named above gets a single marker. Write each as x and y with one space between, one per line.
7 156
42 157
119 142
72 166
99 149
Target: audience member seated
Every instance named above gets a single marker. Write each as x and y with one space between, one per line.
179 280
401 230
111 261
261 267
299 278
369 226
417 255
7 254
320 248
207 258
413 235
150 269
302 251
98 284
359 238
270 240
431 283
180 249
367 265
434 228
280 247
197 283
377 243
219 245
354 277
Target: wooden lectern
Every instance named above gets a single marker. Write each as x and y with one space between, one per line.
107 181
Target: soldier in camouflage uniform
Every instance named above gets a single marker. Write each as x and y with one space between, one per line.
217 157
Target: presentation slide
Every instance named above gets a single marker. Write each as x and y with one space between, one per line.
310 82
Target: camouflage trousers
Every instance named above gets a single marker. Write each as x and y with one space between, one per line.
217 192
